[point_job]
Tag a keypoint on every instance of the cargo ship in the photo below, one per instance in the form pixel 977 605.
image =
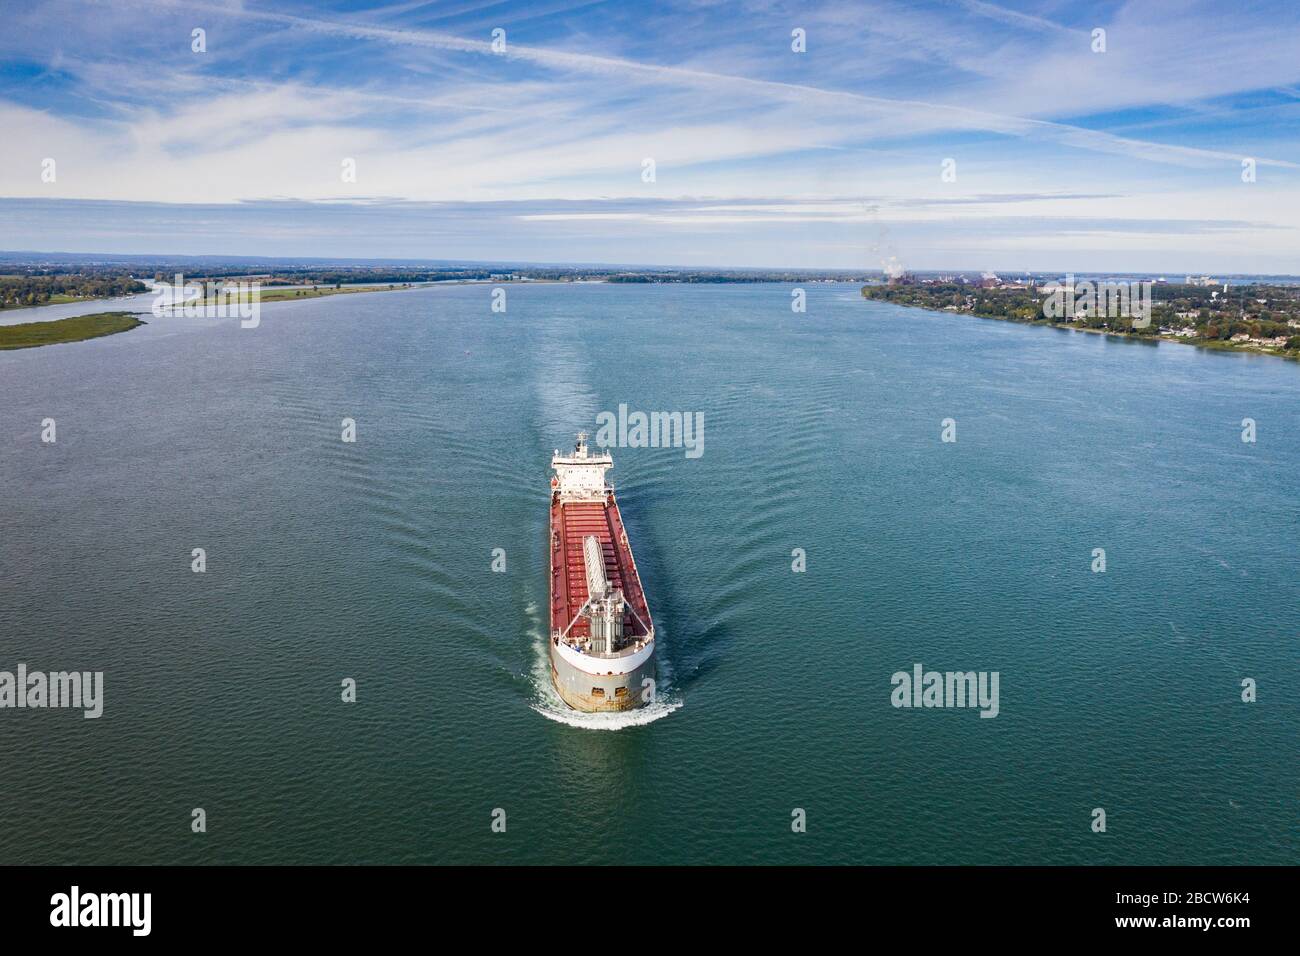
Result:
pixel 602 638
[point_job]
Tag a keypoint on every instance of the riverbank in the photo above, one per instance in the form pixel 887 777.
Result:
pixel 1018 311
pixel 1211 345
pixel 61 299
pixel 24 291
pixel 278 293
pixel 79 328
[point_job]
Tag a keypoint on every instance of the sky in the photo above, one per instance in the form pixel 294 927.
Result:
pixel 1147 136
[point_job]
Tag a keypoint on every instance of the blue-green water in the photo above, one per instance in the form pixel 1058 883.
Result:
pixel 372 560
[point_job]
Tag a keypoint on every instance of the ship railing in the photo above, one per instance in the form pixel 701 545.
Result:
pixel 644 626
pixel 629 648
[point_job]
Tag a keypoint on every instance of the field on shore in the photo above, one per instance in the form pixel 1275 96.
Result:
pixel 277 293
pixel 30 335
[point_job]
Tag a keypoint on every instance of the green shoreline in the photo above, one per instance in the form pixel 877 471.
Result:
pixel 61 298
pixel 78 328
pixel 82 328
pixel 296 293
pixel 1212 345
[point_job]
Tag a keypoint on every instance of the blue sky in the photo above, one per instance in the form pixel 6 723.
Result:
pixel 1126 160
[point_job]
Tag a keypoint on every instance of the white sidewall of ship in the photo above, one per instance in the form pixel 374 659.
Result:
pixel 603 666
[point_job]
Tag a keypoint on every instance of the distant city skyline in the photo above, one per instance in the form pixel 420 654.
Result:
pixel 963 136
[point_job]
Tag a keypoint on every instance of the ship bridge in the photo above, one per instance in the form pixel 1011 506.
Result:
pixel 581 475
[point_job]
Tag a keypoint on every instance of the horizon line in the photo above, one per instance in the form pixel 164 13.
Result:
pixel 16 257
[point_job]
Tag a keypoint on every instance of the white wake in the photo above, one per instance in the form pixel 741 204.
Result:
pixel 547 701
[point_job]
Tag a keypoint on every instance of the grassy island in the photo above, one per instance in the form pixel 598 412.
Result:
pixel 274 292
pixel 30 335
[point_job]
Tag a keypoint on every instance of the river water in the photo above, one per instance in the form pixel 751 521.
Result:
pixel 371 561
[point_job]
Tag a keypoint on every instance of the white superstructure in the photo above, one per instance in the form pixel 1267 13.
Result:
pixel 581 476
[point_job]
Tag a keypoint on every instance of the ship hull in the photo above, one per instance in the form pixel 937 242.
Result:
pixel 596 693
pixel 591 683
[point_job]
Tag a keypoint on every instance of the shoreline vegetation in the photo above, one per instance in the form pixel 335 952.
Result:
pixel 282 293
pixel 25 291
pixel 1256 319
pixel 34 279
pixel 1260 315
pixel 79 328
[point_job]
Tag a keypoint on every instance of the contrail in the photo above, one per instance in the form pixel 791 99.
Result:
pixel 962 117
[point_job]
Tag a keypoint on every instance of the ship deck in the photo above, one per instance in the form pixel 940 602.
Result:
pixel 571 523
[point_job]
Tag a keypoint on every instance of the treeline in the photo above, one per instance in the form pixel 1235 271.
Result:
pixel 1261 312
pixel 46 283
pixel 19 291
pixel 724 276
pixel 357 276
pixel 1223 328
pixel 335 276
pixel 1018 305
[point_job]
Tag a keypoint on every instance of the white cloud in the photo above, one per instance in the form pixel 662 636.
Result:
pixel 436 117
